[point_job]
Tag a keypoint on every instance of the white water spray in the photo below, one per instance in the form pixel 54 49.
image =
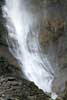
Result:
pixel 22 28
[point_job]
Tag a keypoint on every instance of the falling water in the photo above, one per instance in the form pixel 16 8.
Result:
pixel 23 31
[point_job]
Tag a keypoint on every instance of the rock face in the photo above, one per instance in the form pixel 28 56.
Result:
pixel 13 87
pixel 53 40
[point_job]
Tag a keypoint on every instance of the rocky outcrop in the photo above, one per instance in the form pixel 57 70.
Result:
pixel 14 87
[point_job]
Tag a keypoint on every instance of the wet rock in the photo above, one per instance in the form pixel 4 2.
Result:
pixel 63 94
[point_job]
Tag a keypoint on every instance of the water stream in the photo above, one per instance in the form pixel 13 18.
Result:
pixel 22 22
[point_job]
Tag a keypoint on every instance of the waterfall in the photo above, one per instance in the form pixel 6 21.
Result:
pixel 22 22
